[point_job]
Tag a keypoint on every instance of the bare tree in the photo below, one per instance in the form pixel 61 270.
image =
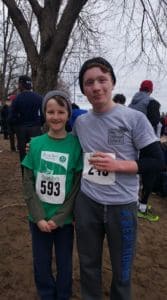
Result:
pixel 8 61
pixel 85 41
pixel 55 22
pixel 140 32
pixel 13 60
pixel 61 25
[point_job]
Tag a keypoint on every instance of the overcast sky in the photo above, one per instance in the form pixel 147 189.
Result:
pixel 129 83
pixel 130 77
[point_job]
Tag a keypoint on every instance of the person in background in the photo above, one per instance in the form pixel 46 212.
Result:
pixel 111 137
pixel 151 108
pixel 164 125
pixel 11 127
pixel 52 170
pixel 4 120
pixel 143 102
pixel 26 114
pixel 119 98
pixel 76 112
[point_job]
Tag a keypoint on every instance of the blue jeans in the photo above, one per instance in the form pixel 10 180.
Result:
pixel 119 224
pixel 42 248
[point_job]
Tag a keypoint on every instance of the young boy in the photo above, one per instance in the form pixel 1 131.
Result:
pixel 51 180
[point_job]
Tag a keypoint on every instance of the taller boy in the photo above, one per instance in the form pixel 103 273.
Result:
pixel 111 135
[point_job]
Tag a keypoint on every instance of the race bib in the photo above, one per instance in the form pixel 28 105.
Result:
pixel 51 188
pixel 93 175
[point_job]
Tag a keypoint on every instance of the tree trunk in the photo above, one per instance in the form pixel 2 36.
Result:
pixel 55 27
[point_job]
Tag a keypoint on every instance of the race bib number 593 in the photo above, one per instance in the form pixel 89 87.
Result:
pixel 51 188
pixel 93 175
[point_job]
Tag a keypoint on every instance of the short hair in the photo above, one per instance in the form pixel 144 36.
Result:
pixel 119 98
pixel 75 106
pixel 26 82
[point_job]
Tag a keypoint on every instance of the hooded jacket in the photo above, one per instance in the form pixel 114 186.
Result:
pixel 149 106
pixel 140 102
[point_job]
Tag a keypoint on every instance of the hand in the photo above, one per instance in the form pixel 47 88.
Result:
pixel 52 225
pixel 43 226
pixel 103 162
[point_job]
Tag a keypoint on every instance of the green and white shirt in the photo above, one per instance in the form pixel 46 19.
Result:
pixel 54 164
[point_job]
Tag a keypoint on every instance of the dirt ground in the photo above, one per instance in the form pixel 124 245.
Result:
pixel 16 275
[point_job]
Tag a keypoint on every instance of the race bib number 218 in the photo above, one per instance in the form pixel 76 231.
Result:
pixel 93 175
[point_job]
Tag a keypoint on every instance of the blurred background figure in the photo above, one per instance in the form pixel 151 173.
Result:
pixel 149 106
pixel 4 120
pixel 142 101
pixel 76 112
pixel 26 114
pixel 119 98
pixel 11 127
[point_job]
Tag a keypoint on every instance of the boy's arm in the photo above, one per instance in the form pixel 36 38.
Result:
pixel 68 204
pixel 33 203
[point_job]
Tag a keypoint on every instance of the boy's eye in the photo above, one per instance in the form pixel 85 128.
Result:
pixel 89 82
pixel 102 80
pixel 58 112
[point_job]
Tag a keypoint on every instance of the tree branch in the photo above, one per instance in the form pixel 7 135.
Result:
pixel 23 29
pixel 66 23
pixel 37 9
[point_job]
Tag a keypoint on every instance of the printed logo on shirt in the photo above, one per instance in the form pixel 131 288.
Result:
pixel 115 137
pixel 62 159
pixel 55 157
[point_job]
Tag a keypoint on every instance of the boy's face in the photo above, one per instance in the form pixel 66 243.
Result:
pixel 98 87
pixel 56 116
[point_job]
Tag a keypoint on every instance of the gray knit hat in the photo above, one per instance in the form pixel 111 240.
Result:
pixel 54 93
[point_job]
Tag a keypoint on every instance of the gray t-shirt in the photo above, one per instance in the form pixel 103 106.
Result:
pixel 122 131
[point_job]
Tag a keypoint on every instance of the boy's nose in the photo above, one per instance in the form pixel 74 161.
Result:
pixel 96 85
pixel 55 115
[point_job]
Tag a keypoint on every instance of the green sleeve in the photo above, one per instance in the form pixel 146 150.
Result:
pixel 33 203
pixel 67 207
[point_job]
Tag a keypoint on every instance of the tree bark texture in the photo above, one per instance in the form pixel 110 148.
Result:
pixel 55 27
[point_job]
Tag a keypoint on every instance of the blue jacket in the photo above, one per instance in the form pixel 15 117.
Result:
pixel 76 112
pixel 26 110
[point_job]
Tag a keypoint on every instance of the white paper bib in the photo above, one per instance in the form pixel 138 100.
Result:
pixel 93 175
pixel 51 188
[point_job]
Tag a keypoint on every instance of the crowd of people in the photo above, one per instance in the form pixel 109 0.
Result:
pixel 89 171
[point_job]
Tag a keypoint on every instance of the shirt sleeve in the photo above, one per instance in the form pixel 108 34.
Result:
pixel 142 131
pixel 35 208
pixel 78 157
pixel 13 117
pixel 151 159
